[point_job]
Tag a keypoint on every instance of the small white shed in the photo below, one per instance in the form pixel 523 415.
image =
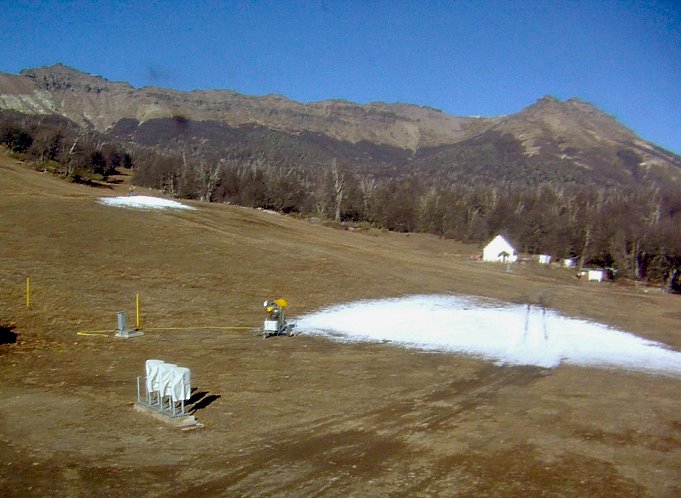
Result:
pixel 595 275
pixel 500 251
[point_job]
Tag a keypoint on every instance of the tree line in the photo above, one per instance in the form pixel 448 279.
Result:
pixel 60 146
pixel 635 230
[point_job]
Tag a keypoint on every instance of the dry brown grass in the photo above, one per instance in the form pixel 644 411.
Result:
pixel 301 416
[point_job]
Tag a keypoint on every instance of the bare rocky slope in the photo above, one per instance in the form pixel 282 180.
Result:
pixel 100 103
pixel 551 140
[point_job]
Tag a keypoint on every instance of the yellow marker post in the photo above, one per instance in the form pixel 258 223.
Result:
pixel 137 303
pixel 28 291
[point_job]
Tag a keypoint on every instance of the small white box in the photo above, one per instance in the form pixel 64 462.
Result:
pixel 271 326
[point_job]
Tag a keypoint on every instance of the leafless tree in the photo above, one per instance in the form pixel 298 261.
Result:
pixel 367 186
pixel 208 176
pixel 338 188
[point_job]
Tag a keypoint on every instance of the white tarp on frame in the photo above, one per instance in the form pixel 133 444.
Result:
pixel 152 367
pixel 180 384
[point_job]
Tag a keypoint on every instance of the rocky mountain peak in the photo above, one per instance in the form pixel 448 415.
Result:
pixel 60 77
pixel 552 105
pixel 573 120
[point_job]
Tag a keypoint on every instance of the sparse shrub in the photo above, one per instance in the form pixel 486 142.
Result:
pixel 50 166
pixel 363 226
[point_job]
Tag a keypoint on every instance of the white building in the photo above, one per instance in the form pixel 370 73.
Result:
pixel 500 251
pixel 594 274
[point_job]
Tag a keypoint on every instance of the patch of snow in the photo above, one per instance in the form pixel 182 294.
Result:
pixel 501 332
pixel 143 202
pixel 269 211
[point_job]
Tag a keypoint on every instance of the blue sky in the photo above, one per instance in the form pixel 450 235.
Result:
pixel 464 57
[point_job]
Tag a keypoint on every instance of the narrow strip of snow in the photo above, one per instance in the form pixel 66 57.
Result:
pixel 501 332
pixel 143 202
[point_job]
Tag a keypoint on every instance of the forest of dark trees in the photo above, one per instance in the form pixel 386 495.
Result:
pixel 633 229
pixel 59 146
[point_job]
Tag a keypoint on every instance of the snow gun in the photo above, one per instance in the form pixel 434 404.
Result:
pixel 275 324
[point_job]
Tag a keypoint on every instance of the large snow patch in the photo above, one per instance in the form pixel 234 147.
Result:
pixel 502 332
pixel 143 202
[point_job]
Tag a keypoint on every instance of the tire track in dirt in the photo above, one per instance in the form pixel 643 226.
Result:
pixel 445 406
pixel 349 449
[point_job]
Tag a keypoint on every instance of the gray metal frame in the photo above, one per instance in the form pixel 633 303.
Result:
pixel 156 401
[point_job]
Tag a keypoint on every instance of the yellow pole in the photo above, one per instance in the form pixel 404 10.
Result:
pixel 137 302
pixel 28 291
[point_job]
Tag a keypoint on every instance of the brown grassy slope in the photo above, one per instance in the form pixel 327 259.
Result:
pixel 299 416
pixel 217 264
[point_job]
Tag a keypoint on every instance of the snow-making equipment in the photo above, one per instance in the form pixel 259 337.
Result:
pixel 275 324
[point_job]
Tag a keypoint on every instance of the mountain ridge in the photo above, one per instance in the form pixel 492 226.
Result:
pixel 104 103
pixel 554 140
